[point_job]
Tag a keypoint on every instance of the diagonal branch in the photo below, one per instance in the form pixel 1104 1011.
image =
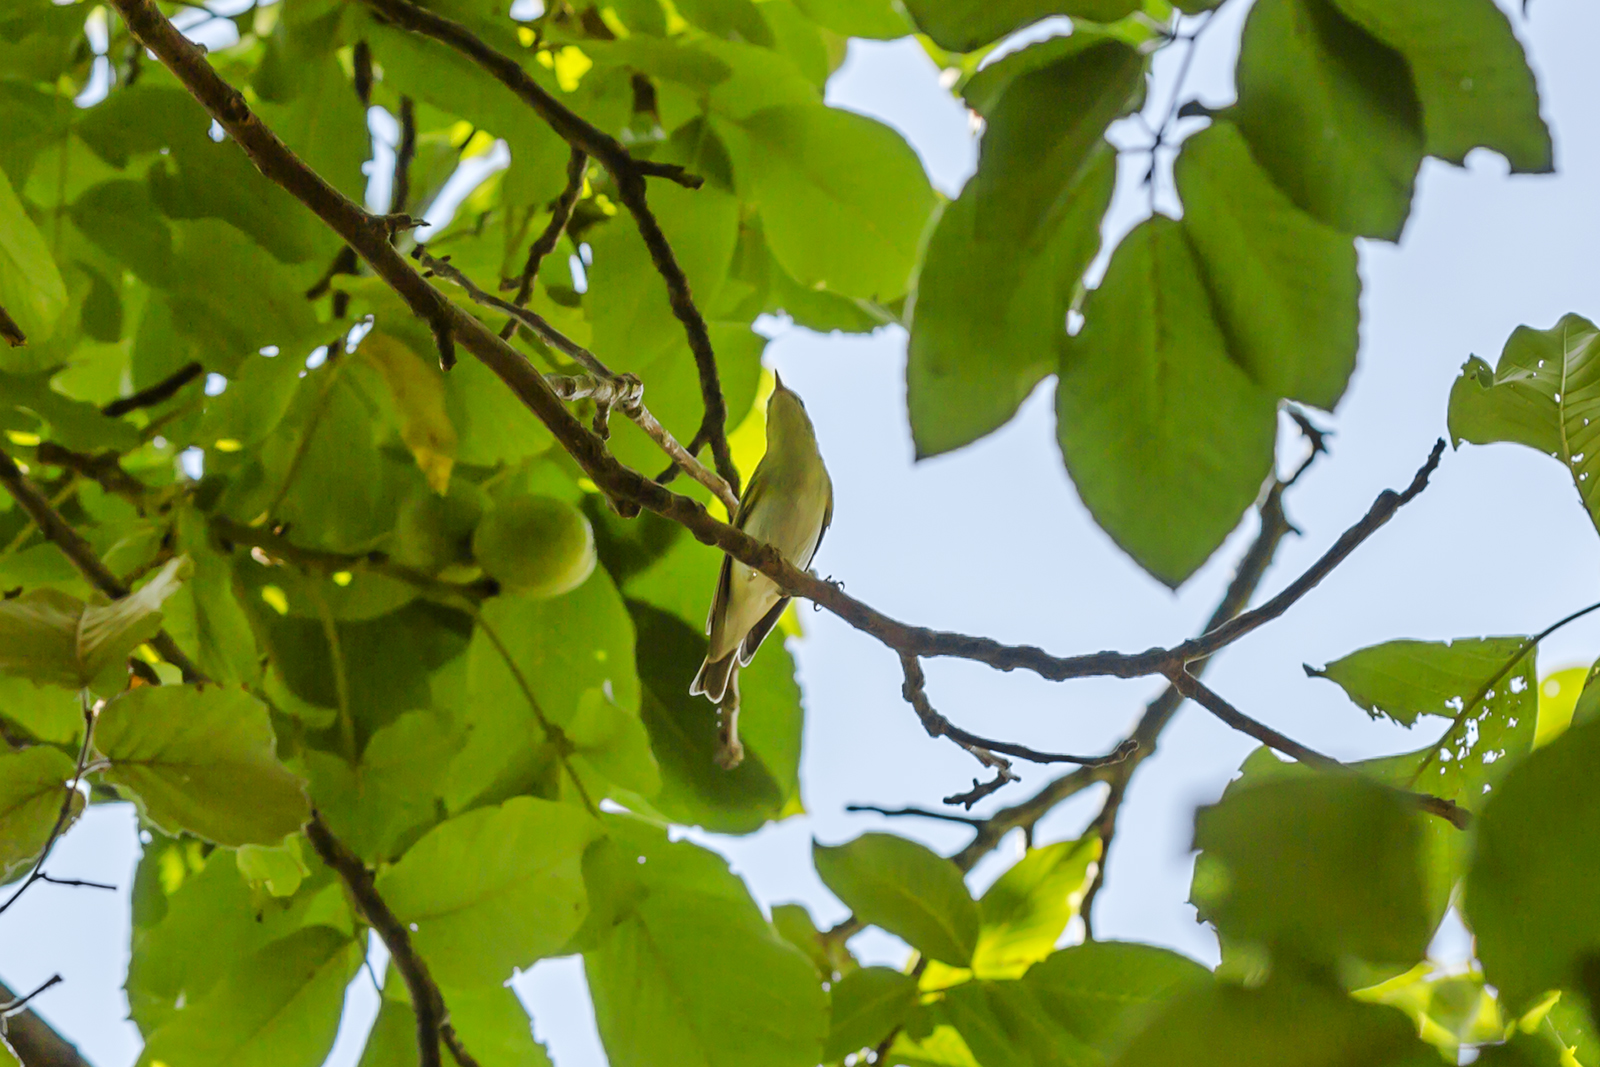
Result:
pixel 560 215
pixel 629 175
pixel 35 1042
pixel 368 234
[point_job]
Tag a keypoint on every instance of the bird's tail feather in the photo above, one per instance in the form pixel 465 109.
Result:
pixel 712 679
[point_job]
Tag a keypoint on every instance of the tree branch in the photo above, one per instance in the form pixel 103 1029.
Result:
pixel 560 215
pixel 35 1041
pixel 368 235
pixel 629 175
pixel 426 1000
pixel 10 330
pixel 163 390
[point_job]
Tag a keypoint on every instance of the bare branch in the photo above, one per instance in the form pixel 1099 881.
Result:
pixel 160 392
pixel 920 813
pixel 16 1004
pixel 560 215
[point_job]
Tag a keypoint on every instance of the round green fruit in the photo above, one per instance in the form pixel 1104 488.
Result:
pixel 433 532
pixel 536 545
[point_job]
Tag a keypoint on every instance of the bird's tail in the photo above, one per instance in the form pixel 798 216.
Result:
pixel 712 679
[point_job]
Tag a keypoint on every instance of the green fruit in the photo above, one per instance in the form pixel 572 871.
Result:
pixel 536 545
pixel 434 532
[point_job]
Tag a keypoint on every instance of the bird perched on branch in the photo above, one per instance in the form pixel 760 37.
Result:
pixel 788 504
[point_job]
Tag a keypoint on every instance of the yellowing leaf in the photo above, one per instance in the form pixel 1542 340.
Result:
pixel 1558 696
pixel 418 395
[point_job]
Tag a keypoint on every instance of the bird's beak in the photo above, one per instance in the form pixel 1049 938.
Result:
pixel 778 378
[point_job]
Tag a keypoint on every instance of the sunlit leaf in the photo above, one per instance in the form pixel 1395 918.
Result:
pixel 913 893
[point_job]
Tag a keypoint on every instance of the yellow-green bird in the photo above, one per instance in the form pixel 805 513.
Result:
pixel 788 504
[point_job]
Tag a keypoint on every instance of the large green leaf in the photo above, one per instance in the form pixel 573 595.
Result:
pixel 904 888
pixel 989 314
pixel 57 639
pixel 877 19
pixel 1284 285
pixel 661 997
pixel 843 198
pixel 1331 114
pixel 1289 1022
pixel 1536 871
pixel 198 922
pixel 1025 911
pixel 1044 131
pixel 281 1008
pixel 31 289
pixel 201 759
pixel 963 25
pixel 1402 680
pixel 1319 867
pixel 33 784
pixel 1470 73
pixel 1543 394
pixel 868 1003
pixel 683 729
pixel 1166 438
pixel 494 889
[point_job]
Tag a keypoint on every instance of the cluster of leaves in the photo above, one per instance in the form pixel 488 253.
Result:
pixel 320 551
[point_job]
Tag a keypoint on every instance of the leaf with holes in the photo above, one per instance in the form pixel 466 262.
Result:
pixel 1544 393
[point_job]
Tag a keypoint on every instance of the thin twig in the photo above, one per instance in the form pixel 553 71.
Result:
pixel 404 153
pixel 560 215
pixel 921 813
pixel 79 882
pixel 16 1004
pixel 158 393
pixel 64 816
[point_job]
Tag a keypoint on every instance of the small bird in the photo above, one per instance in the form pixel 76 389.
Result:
pixel 788 504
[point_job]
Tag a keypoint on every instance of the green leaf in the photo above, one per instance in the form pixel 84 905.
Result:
pixel 53 638
pixel 1331 114
pixel 325 124
pixel 901 886
pixel 205 616
pixel 1287 1021
pixel 683 729
pixel 1321 868
pixel 963 25
pixel 281 1008
pixel 490 1022
pixel 31 289
pixel 1104 992
pixel 385 802
pixel 614 744
pixel 33 783
pixel 1403 680
pixel 1166 438
pixel 1025 911
pixel 47 713
pixel 867 1005
pixel 202 760
pixel 562 647
pixel 660 997
pixel 279 869
pixel 989 316
pixel 1284 285
pixel 1536 870
pixel 494 889
pixel 198 922
pixel 1043 135
pixel 880 20
pixel 1471 75
pixel 1543 394
pixel 843 198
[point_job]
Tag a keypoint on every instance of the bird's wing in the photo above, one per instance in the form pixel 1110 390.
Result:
pixel 719 603
pixel 758 632
pixel 827 521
